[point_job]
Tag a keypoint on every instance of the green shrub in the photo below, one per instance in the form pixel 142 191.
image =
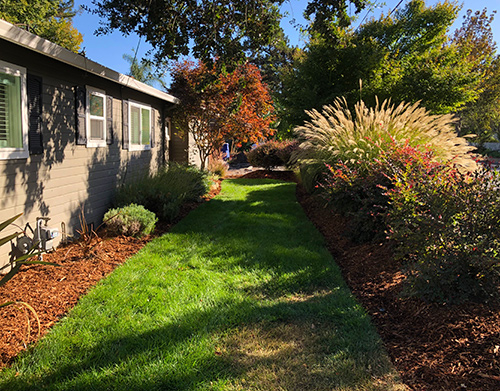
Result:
pixel 336 134
pixel 272 154
pixel 131 220
pixel 164 192
pixel 445 224
pixel 358 189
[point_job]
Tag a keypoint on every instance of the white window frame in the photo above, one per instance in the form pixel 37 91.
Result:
pixel 139 147
pixel 168 128
pixel 101 142
pixel 18 153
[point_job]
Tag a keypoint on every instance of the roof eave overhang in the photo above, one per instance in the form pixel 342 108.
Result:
pixel 40 45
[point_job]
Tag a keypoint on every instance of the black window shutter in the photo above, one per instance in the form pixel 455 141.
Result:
pixel 153 128
pixel 125 140
pixel 34 86
pixel 81 118
pixel 109 120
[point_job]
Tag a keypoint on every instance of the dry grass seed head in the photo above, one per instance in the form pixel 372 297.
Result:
pixel 333 133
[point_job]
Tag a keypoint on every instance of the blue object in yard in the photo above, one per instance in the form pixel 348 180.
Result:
pixel 225 151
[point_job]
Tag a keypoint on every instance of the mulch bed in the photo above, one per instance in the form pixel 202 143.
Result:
pixel 434 347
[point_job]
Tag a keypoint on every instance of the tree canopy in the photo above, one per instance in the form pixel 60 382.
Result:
pixel 218 106
pixel 405 56
pixel 49 19
pixel 475 39
pixel 226 30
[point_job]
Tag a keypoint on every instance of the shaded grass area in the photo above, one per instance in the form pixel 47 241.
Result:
pixel 241 295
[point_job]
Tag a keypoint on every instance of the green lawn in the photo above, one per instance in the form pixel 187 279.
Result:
pixel 241 295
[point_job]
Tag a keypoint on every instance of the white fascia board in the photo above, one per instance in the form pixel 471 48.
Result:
pixel 33 42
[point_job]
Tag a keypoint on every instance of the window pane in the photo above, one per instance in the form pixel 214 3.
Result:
pixel 10 111
pixel 97 129
pixel 135 125
pixel 96 105
pixel 146 125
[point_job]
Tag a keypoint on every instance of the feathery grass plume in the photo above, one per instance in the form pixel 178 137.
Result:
pixel 334 134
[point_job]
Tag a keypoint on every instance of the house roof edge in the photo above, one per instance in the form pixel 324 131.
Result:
pixel 33 42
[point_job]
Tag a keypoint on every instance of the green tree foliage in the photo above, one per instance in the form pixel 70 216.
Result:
pixel 226 30
pixel 475 39
pixel 49 19
pixel 142 70
pixel 223 29
pixel 326 15
pixel 406 56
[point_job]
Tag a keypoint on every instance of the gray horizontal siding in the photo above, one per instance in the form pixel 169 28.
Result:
pixel 67 177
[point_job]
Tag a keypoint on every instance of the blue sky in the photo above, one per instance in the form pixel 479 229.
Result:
pixel 109 49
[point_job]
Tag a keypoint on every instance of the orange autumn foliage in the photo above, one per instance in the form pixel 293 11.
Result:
pixel 219 106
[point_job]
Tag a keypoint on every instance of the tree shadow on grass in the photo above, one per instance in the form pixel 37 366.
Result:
pixel 149 360
pixel 207 347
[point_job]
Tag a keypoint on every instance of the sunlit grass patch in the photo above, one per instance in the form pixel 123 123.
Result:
pixel 241 294
pixel 300 356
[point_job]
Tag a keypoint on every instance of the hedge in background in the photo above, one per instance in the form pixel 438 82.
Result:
pixel 272 154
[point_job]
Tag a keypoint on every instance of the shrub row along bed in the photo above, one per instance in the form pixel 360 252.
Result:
pixel 403 174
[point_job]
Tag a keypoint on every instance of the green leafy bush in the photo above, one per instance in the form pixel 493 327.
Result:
pixel 164 192
pixel 358 138
pixel 272 154
pixel 358 189
pixel 131 220
pixel 445 224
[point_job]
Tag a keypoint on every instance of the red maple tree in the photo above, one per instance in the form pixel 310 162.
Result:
pixel 217 106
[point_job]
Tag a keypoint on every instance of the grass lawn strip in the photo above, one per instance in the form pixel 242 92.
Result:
pixel 240 295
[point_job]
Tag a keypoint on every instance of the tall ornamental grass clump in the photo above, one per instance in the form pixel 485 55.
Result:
pixel 164 192
pixel 357 138
pixel 445 226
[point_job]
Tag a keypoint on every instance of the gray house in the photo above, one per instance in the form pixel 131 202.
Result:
pixel 71 130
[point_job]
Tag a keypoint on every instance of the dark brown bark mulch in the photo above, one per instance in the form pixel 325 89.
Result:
pixel 434 347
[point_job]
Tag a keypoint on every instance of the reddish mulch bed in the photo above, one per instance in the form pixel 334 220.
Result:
pixel 433 347
pixel 52 291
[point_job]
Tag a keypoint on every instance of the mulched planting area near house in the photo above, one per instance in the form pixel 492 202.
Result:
pixel 434 347
pixel 52 291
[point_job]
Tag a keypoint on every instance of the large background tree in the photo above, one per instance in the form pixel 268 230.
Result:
pixel 227 30
pixel 49 19
pixel 475 38
pixel 406 56
pixel 218 105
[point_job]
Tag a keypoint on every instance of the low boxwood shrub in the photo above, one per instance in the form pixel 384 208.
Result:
pixel 131 220
pixel 272 154
pixel 164 192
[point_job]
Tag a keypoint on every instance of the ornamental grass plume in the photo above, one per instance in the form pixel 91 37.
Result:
pixel 335 134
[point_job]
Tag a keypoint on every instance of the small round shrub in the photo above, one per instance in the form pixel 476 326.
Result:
pixel 272 154
pixel 218 167
pixel 131 220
